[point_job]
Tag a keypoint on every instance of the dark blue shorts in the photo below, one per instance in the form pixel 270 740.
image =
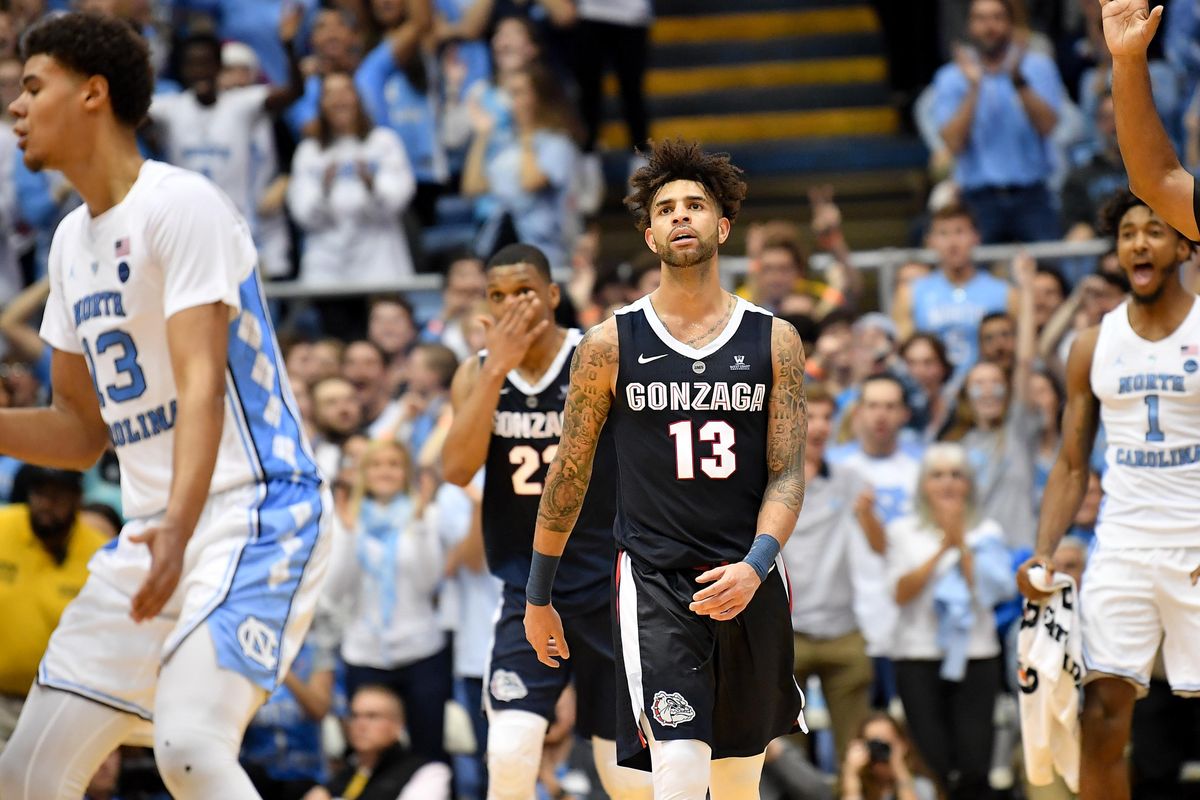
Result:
pixel 516 680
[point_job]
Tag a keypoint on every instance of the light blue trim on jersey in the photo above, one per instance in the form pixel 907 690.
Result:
pixel 44 679
pixel 246 362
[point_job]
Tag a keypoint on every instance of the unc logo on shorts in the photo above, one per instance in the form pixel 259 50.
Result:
pixel 671 709
pixel 259 643
pixel 507 686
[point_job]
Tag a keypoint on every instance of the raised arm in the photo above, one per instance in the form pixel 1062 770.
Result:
pixel 589 398
pixel 1155 174
pixel 14 321
pixel 281 97
pixel 1024 268
pixel 1068 479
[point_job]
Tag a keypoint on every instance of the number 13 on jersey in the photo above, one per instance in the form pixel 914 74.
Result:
pixel 723 461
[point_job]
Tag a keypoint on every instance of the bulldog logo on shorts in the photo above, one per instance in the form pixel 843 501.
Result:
pixel 507 686
pixel 672 710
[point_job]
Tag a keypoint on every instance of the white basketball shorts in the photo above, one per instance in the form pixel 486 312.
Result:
pixel 1133 600
pixel 252 570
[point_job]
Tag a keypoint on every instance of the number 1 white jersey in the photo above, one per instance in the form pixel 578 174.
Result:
pixel 1149 396
pixel 174 242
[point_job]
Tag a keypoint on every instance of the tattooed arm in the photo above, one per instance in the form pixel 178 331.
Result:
pixel 1068 479
pixel 731 587
pixel 787 430
pixel 593 376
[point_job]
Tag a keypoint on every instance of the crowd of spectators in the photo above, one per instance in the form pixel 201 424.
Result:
pixel 367 140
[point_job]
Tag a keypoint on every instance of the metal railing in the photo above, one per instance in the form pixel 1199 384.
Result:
pixel 424 290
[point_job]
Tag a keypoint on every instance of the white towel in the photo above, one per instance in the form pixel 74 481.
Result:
pixel 1050 673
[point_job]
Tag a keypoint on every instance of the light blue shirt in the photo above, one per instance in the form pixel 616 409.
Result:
pixel 953 312
pixel 394 102
pixel 1003 148
pixel 542 218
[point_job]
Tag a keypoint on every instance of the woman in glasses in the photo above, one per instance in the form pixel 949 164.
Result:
pixel 948 567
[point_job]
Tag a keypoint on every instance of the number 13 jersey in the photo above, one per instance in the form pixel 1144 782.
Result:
pixel 174 242
pixel 1149 395
pixel 690 426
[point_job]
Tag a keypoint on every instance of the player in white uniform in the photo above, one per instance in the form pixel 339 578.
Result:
pixel 1151 517
pixel 162 348
pixel 1138 372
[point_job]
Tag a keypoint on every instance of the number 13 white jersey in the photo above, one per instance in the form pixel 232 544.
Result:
pixel 1149 396
pixel 174 242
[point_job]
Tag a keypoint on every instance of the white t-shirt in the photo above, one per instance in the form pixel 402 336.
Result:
pixel 893 479
pixel 215 140
pixel 174 242
pixel 354 233
pixel 909 545
pixel 818 556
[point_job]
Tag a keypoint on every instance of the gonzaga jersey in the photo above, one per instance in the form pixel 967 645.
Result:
pixel 525 432
pixel 174 242
pixel 1149 395
pixel 690 426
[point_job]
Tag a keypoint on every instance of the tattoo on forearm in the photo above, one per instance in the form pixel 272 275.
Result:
pixel 788 427
pixel 587 406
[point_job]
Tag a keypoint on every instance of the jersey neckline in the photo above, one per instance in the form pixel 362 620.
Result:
pixel 1124 317
pixel 569 341
pixel 644 305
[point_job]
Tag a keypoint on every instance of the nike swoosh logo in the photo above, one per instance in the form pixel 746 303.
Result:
pixel 643 360
pixel 505 390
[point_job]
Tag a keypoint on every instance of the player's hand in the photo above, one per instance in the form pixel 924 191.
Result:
pixel 1195 576
pixel 508 338
pixel 1129 25
pixel 1027 588
pixel 544 631
pixel 167 543
pixel 734 588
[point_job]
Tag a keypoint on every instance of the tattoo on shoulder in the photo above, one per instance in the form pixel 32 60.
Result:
pixel 588 402
pixel 788 425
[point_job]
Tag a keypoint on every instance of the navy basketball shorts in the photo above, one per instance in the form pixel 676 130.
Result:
pixel 516 680
pixel 685 676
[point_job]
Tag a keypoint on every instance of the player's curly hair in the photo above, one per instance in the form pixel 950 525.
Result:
pixel 1110 214
pixel 90 44
pixel 681 160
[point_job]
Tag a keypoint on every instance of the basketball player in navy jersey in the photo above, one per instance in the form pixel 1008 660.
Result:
pixel 703 395
pixel 508 407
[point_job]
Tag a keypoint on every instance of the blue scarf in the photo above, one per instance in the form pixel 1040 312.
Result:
pixel 380 527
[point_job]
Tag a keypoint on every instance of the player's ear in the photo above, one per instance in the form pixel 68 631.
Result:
pixel 724 226
pixel 95 92
pixel 649 235
pixel 555 295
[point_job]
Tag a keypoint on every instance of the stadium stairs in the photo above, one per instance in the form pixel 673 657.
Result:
pixel 796 91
